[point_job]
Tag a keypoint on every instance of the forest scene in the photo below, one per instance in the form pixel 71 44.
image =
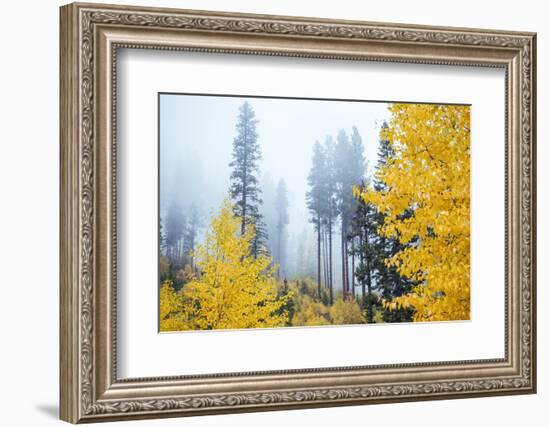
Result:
pixel 279 212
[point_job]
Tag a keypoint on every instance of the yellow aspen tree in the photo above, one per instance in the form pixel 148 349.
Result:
pixel 427 207
pixel 172 314
pixel 234 289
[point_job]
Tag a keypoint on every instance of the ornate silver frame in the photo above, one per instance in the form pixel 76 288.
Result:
pixel 90 36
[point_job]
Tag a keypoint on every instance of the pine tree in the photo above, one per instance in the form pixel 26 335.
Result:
pixel 342 176
pixel 268 210
pixel 349 171
pixel 281 206
pixel 330 211
pixel 244 190
pixel 385 153
pixel 358 169
pixel 389 282
pixel 374 250
pixel 315 199
pixel 364 226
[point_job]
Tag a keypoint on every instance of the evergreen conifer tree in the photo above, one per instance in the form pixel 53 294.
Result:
pixel 244 189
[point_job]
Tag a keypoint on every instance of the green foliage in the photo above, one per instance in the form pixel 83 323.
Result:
pixel 373 249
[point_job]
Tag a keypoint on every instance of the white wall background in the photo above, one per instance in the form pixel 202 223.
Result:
pixel 29 170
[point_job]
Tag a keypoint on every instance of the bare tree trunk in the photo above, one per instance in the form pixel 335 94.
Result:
pixel 325 256
pixel 362 260
pixel 343 252
pixel 319 256
pixel 353 267
pixel 180 255
pixel 183 254
pixel 370 311
pixel 331 291
pixel 346 258
pixel 279 252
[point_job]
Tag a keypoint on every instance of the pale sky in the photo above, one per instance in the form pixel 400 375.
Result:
pixel 196 136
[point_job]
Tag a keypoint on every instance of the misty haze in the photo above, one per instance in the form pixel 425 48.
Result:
pixel 277 212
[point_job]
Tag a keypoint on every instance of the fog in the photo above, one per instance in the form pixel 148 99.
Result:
pixel 196 135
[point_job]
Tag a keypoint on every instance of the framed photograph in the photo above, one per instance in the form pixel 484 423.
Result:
pixel 267 212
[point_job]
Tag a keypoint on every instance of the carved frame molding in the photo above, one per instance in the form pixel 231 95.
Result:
pixel 90 37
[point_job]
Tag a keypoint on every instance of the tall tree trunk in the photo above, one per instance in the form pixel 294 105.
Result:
pixel 325 256
pixel 362 261
pixel 370 313
pixel 346 258
pixel 279 252
pixel 343 252
pixel 331 291
pixel 319 256
pixel 353 267
pixel 324 247
pixel 243 220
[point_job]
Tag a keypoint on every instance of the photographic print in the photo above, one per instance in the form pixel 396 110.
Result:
pixel 287 212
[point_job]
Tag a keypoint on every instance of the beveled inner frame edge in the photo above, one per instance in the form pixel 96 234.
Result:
pixel 116 38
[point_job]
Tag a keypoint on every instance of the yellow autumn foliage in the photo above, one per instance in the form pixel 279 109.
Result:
pixel 310 312
pixel 429 176
pixel 346 312
pixel 172 312
pixel 233 290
